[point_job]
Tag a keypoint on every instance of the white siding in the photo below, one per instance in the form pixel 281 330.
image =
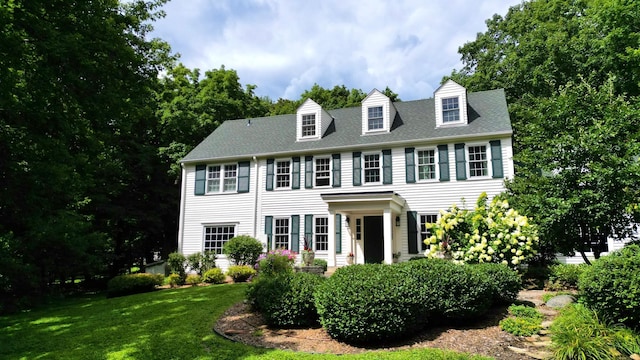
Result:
pixel 448 90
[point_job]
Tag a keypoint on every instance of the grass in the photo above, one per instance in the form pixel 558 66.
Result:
pixel 167 324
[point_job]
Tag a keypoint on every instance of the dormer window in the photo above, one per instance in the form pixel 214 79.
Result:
pixel 450 110
pixel 308 125
pixel 378 113
pixel 451 104
pixel 375 119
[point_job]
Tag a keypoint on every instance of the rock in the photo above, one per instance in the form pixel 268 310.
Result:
pixel 635 357
pixel 234 332
pixel 560 301
pixel 534 354
pixel 546 324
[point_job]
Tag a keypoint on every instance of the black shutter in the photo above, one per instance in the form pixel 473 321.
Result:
pixel 496 158
pixel 269 185
pixel 338 226
pixel 461 163
pixel 308 230
pixel 410 165
pixel 337 181
pixel 357 169
pixel 243 176
pixel 443 162
pixel 295 233
pixel 201 179
pixel 268 226
pixel 308 172
pixel 387 171
pixel 412 231
pixel 295 181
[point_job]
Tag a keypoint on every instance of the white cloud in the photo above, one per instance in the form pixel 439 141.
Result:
pixel 285 46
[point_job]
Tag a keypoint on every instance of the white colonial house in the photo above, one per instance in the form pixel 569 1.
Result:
pixel 361 180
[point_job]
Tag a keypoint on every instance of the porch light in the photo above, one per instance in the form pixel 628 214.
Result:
pixel 397 220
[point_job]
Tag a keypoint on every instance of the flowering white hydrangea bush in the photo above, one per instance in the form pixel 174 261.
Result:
pixel 488 234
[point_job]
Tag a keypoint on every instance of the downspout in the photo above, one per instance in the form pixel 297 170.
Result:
pixel 183 195
pixel 255 202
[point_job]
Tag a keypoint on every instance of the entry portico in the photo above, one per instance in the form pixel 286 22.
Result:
pixel 371 218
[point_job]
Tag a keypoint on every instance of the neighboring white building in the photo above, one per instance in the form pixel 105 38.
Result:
pixel 361 180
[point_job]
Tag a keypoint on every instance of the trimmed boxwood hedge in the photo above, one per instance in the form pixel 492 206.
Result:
pixel 372 302
pixel 133 283
pixel 611 286
pixel 505 282
pixel 286 299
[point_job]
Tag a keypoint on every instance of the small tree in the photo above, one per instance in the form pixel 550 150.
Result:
pixel 176 263
pixel 201 262
pixel 243 250
pixel 488 234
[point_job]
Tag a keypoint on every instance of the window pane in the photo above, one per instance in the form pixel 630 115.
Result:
pixel 216 236
pixel 309 125
pixel 478 161
pixel 322 233
pixel 372 168
pixel 282 174
pixel 424 233
pixel 450 110
pixel 375 118
pixel 323 172
pixel 230 172
pixel 213 179
pixel 281 240
pixel 426 164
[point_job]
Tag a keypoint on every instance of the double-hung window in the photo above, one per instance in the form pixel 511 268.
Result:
pixel 323 171
pixel 281 238
pixel 426 164
pixel 308 125
pixel 424 232
pixel 478 165
pixel 322 233
pixel 283 174
pixel 225 175
pixel 371 168
pixel 450 110
pixel 215 236
pixel 375 119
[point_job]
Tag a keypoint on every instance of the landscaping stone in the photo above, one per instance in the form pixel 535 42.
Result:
pixel 560 301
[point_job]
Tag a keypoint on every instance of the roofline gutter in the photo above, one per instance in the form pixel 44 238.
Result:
pixel 350 147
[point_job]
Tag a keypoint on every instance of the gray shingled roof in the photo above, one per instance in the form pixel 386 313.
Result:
pixel 415 122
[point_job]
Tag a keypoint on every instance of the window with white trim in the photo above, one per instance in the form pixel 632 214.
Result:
pixel 283 174
pixel 281 234
pixel 322 233
pixel 215 236
pixel 222 174
pixel 426 164
pixel 375 119
pixel 450 110
pixel 371 168
pixel 358 229
pixel 308 125
pixel 478 165
pixel 323 171
pixel 424 232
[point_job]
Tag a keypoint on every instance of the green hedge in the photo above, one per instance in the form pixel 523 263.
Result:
pixel 240 273
pixel 286 300
pixel 611 286
pixel 505 282
pixel 133 283
pixel 214 276
pixel 565 276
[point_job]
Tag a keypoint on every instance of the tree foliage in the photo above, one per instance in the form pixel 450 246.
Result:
pixel 571 72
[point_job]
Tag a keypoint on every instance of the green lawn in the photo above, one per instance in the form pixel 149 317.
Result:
pixel 167 324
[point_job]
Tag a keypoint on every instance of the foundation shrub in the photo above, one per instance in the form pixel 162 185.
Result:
pixel 320 262
pixel 505 282
pixel 286 299
pixel 565 276
pixel 177 279
pixel 611 286
pixel 243 249
pixel 214 276
pixel 366 303
pixel 240 273
pixel 193 279
pixel 133 283
pixel 201 262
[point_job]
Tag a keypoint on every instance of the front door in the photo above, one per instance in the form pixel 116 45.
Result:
pixel 373 239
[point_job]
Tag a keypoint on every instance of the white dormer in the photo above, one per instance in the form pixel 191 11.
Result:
pixel 378 113
pixel 311 121
pixel 451 104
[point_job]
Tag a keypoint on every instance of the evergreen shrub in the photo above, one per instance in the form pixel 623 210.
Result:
pixel 505 282
pixel 193 279
pixel 320 262
pixel 565 276
pixel 214 276
pixel 286 299
pixel 240 273
pixel 133 283
pixel 611 286
pixel 243 250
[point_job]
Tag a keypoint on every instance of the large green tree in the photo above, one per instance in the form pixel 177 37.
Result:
pixel 547 55
pixel 76 134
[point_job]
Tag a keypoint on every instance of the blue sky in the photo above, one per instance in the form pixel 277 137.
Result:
pixel 285 46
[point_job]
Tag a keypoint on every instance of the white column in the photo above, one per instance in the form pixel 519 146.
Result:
pixel 331 249
pixel 387 223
